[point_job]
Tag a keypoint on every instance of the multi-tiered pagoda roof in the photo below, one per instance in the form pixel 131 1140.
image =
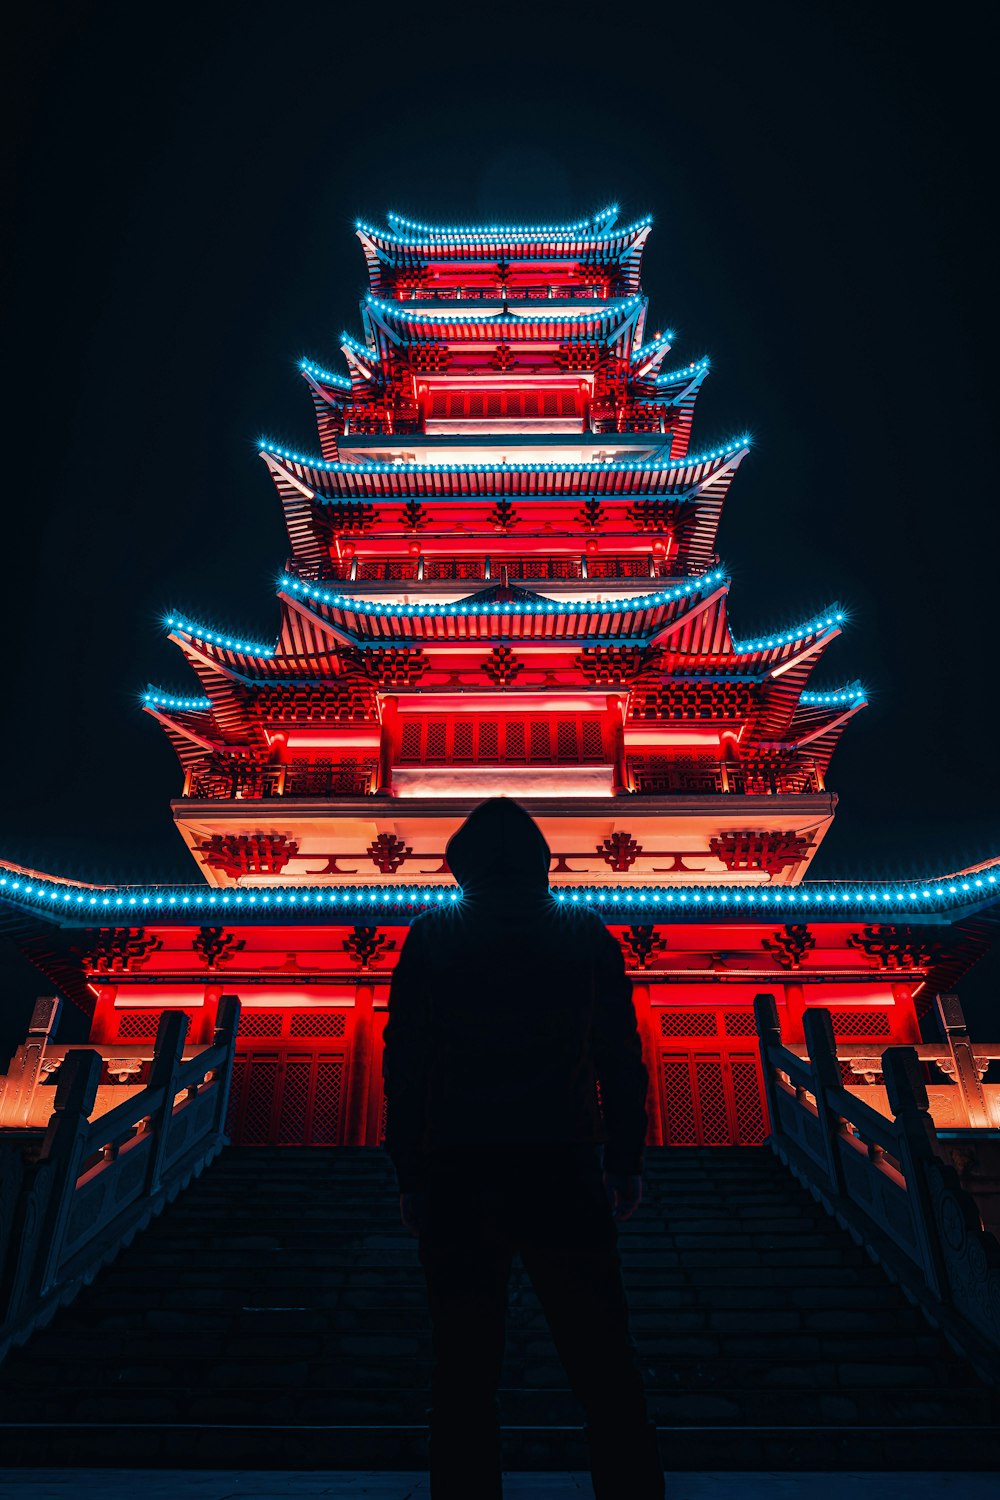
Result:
pixel 504 576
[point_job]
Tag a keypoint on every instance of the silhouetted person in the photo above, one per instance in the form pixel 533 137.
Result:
pixel 505 1011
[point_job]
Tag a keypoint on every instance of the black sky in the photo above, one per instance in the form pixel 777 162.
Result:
pixel 181 195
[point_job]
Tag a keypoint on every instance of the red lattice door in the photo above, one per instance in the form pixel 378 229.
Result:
pixel 288 1097
pixel 712 1098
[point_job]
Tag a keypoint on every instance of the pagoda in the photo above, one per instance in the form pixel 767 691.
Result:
pixel 503 579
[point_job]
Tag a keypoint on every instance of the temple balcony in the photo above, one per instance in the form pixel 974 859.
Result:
pixel 306 827
pixel 582 568
pixel 422 774
pixel 530 440
pixel 561 294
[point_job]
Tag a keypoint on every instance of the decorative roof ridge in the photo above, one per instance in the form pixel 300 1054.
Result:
pixel 829 619
pixel 472 604
pixel 326 377
pixel 207 637
pixel 848 693
pixel 976 886
pixel 154 699
pixel 696 367
pixel 725 452
pixel 455 237
pixel 402 313
pixel 602 216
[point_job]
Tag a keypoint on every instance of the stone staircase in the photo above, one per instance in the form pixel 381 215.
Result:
pixel 274 1317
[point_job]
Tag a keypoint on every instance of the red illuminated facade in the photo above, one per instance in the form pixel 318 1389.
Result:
pixel 503 579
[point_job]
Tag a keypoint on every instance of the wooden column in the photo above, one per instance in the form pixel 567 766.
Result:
pixel 651 1057
pixel 359 1067
pixel 104 1023
pixel 380 1016
pixel 203 1022
pixel 615 709
pixel 387 744
pixel 903 1016
pixel 795 1009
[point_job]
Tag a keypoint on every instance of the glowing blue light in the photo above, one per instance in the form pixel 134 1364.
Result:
pixel 213 638
pixel 723 452
pixel 623 605
pixel 852 693
pixel 154 699
pixel 655 349
pixel 832 619
pixel 949 891
pixel 431 236
pixel 699 367
pixel 326 377
pixel 402 314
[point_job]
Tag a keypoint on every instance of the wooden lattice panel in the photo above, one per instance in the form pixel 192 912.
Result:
pixel 860 1024
pixel 326 1123
pixel 609 664
pixel 688 1023
pixel 692 700
pixel 748 1098
pixel 323 1023
pixel 347 518
pixel 269 1023
pixel 138 1025
pixel 461 740
pixel 349 700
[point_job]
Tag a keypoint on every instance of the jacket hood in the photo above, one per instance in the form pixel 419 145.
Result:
pixel 499 846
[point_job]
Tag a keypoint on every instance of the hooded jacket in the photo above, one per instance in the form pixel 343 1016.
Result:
pixel 508 1011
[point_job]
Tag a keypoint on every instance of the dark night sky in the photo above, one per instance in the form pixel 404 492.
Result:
pixel 182 191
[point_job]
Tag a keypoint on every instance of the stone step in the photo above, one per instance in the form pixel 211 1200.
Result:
pixel 340 1404
pixel 281 1285
pixel 693 1448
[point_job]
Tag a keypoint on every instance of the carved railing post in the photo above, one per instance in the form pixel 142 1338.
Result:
pixel 821 1046
pixel 163 1070
pixel 966 1072
pixel 904 1082
pixel 765 1012
pixel 227 1023
pixel 62 1154
pixel 18 1087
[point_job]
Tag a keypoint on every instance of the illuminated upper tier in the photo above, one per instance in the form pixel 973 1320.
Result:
pixel 504 579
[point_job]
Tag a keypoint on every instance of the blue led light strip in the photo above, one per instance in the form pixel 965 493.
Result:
pixel 607 310
pixel 833 616
pixel 829 899
pixel 585 466
pixel 655 348
pixel 327 377
pixel 605 213
pixel 154 699
pixel 431 238
pixel 619 605
pixel 361 350
pixel 852 693
pixel 216 638
pixel 693 369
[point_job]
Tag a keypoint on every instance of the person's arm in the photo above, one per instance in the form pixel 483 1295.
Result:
pixel 404 1063
pixel 618 1062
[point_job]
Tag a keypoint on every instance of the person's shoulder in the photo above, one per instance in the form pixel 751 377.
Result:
pixel 435 918
pixel 583 921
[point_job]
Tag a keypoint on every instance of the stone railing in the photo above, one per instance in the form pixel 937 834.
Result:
pixel 76 1192
pixel 886 1178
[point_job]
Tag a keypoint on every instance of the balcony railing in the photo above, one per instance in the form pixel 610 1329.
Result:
pixel 536 292
pixel 490 569
pixel 690 776
pixel 82 1173
pixel 320 778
